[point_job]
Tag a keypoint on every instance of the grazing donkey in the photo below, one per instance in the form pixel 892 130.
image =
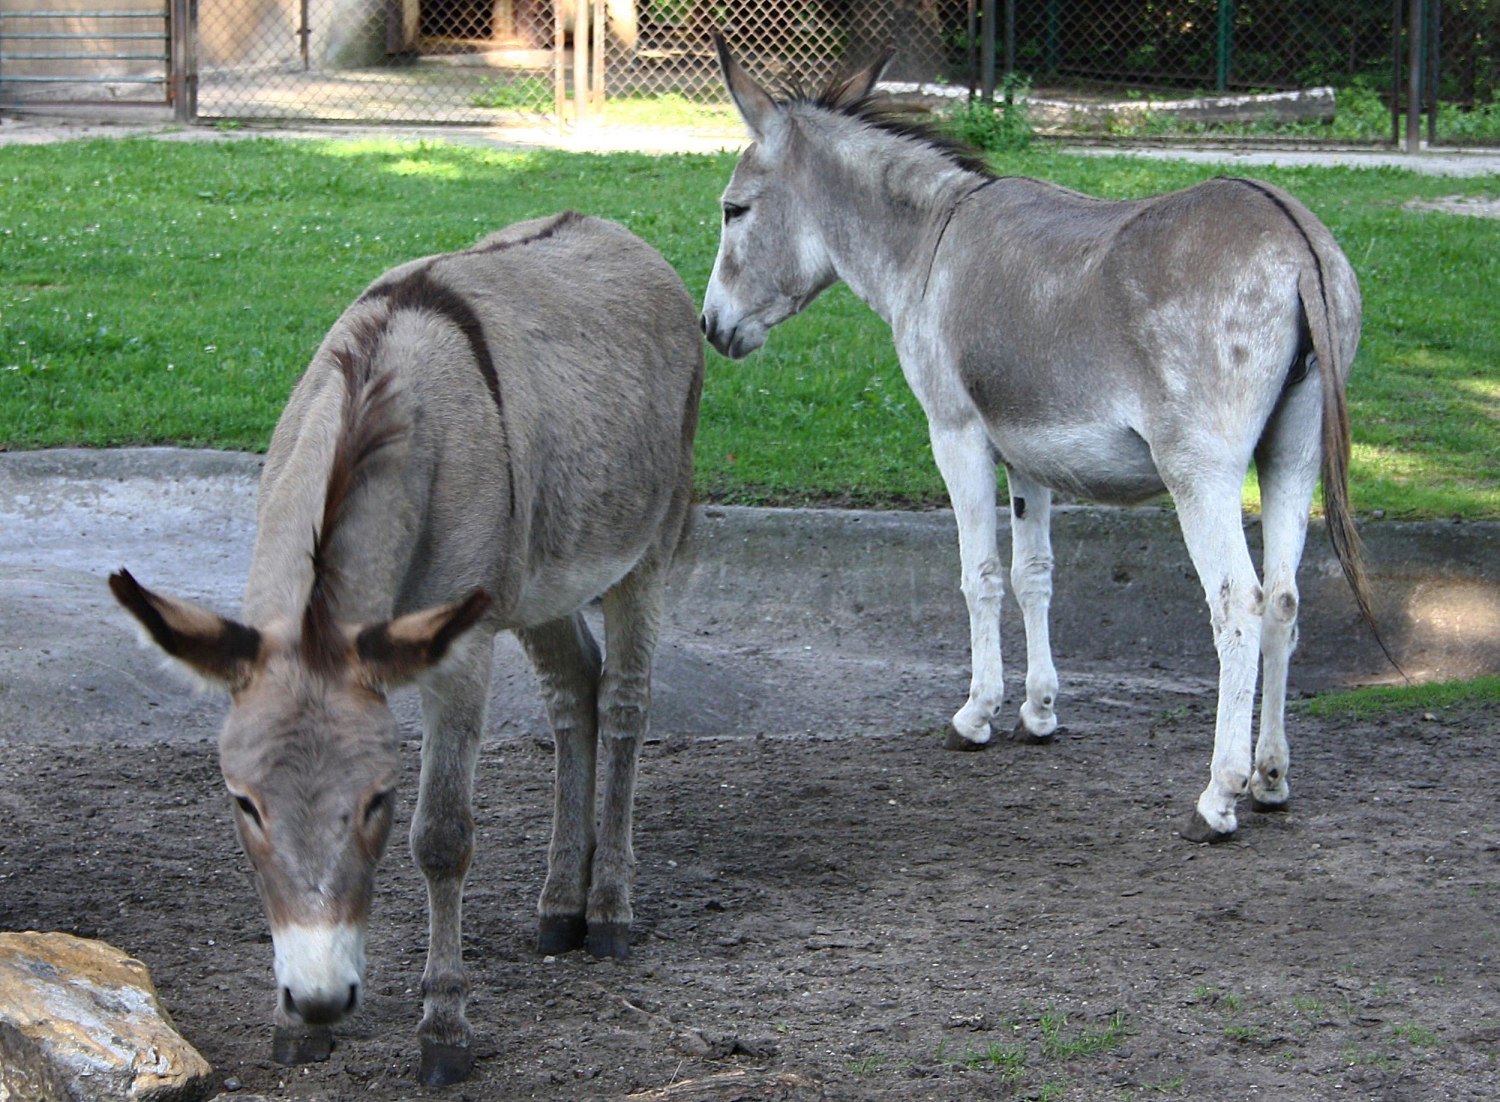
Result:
pixel 1110 350
pixel 486 439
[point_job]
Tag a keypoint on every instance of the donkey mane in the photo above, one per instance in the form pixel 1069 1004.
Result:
pixel 368 426
pixel 875 111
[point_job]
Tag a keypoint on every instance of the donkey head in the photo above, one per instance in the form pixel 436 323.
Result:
pixel 310 755
pixel 772 259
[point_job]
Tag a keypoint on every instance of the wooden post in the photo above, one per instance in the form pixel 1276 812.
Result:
pixel 559 56
pixel 183 66
pixel 596 88
pixel 581 12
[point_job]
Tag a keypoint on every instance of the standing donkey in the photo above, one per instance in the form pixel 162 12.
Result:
pixel 486 439
pixel 1111 350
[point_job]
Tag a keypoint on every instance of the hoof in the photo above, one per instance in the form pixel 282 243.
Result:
pixel 444 1064
pixel 1197 830
pixel 956 741
pixel 1269 808
pixel 1025 737
pixel 300 1046
pixel 560 934
pixel 609 939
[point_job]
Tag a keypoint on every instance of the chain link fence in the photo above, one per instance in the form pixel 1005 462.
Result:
pixel 486 60
pixel 1104 67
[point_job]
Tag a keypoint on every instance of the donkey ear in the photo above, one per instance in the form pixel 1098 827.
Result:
pixel 395 651
pixel 860 85
pixel 220 651
pixel 755 106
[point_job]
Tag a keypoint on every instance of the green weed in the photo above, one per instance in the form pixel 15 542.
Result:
pixel 1414 1034
pixel 1087 1042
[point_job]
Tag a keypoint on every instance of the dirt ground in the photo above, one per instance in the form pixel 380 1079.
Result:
pixel 859 914
pixel 829 905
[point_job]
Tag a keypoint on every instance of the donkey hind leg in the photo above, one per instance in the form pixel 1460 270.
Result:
pixel 1031 582
pixel 1208 509
pixel 567 663
pixel 966 462
pixel 1287 464
pixel 442 842
pixel 632 620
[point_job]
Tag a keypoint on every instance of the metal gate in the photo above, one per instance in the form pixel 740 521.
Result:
pixel 112 52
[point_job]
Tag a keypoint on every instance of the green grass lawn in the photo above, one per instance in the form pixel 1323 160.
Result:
pixel 170 293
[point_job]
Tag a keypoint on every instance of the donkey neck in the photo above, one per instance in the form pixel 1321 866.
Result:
pixel 886 200
pixel 370 549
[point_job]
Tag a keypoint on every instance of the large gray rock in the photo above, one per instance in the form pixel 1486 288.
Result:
pixel 80 1020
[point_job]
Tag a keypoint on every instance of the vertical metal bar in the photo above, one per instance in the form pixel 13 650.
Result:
pixel 1396 9
pixel 596 91
pixel 971 48
pixel 182 80
pixel 1414 65
pixel 987 52
pixel 1434 38
pixel 1010 42
pixel 1224 45
pixel 1054 35
pixel 304 30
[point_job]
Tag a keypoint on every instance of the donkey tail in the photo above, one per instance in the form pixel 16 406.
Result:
pixel 1312 287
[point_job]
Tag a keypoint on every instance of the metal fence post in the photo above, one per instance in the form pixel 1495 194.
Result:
pixel 183 81
pixel 1416 57
pixel 1434 33
pixel 1225 44
pixel 987 52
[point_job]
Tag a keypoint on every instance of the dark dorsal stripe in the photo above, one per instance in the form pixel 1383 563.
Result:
pixel 419 291
pixel 563 220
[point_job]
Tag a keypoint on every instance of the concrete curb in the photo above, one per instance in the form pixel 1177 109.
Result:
pixel 783 622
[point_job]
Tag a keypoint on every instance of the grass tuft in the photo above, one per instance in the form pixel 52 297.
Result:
pixel 1378 700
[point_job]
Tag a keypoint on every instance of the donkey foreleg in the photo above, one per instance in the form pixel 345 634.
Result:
pixel 1031 582
pixel 567 663
pixel 966 463
pixel 1213 528
pixel 442 843
pixel 632 620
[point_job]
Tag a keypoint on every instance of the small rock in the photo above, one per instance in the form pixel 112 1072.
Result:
pixel 80 1019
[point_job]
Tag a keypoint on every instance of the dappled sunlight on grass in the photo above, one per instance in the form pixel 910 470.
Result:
pixel 156 292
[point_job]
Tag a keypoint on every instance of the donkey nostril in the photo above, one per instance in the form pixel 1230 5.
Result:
pixel 321 1011
pixel 703 322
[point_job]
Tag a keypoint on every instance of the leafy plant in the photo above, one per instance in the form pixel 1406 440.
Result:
pixel 1002 126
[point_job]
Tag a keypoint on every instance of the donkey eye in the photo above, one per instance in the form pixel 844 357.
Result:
pixel 733 211
pixel 248 809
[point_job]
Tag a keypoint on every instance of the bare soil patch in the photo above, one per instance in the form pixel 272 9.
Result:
pixel 859 914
